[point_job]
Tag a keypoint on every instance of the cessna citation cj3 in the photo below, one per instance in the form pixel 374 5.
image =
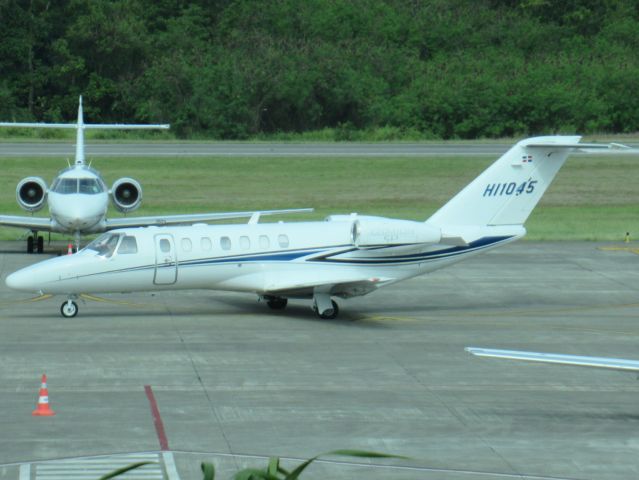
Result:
pixel 344 256
pixel 78 197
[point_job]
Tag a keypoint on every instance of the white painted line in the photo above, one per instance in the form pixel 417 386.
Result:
pixel 25 471
pixel 94 467
pixel 169 464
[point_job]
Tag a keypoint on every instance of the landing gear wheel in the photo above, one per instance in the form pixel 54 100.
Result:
pixel 69 309
pixel 40 244
pixel 330 314
pixel 30 244
pixel 277 303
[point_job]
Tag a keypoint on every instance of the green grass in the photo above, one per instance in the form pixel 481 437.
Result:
pixel 592 198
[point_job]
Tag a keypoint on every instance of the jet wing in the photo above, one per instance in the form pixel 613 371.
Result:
pixel 31 223
pixel 556 358
pixel 188 219
pixel 295 286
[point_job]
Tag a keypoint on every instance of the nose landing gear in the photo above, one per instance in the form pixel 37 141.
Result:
pixel 69 309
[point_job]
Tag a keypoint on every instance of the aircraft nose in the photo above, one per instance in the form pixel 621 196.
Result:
pixel 20 280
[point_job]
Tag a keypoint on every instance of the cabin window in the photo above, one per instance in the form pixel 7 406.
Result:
pixel 245 243
pixel 225 243
pixel 264 242
pixel 165 245
pixel 205 244
pixel 128 245
pixel 283 240
pixel 187 245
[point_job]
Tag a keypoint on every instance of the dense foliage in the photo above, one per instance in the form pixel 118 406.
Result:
pixel 235 69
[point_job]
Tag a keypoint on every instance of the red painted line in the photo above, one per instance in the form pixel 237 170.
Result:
pixel 157 419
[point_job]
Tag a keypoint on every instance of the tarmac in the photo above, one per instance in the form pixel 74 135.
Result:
pixel 177 378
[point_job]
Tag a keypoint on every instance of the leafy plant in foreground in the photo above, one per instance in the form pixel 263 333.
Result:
pixel 274 471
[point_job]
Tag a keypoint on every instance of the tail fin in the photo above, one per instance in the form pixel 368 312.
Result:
pixel 80 126
pixel 508 191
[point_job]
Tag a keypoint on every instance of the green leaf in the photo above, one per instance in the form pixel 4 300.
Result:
pixel 273 466
pixel 363 454
pixel 122 470
pixel 209 470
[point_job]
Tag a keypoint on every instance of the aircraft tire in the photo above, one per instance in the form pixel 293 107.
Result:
pixel 69 309
pixel 277 303
pixel 30 244
pixel 40 244
pixel 330 314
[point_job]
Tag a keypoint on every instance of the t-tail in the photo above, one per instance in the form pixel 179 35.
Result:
pixel 500 200
pixel 80 127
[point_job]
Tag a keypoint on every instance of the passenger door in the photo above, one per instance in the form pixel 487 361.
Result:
pixel 165 260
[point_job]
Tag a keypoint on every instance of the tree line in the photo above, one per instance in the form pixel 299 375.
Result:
pixel 234 69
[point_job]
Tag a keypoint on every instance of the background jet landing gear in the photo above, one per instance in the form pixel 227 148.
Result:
pixel 35 242
pixel 69 309
pixel 276 303
pixel 324 306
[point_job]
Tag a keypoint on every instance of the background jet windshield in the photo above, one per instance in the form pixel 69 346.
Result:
pixel 66 185
pixel 90 186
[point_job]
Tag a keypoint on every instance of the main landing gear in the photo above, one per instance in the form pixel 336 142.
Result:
pixel 69 309
pixel 35 242
pixel 323 306
pixel 276 303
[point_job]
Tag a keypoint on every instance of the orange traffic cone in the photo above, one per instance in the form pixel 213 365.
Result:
pixel 43 409
pixel 70 249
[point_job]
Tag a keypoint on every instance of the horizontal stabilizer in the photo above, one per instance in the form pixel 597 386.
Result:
pixel 87 126
pixel 560 359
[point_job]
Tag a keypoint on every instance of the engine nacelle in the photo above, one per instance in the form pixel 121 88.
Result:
pixel 31 193
pixel 126 194
pixel 386 231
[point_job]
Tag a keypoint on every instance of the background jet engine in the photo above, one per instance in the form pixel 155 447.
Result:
pixel 126 194
pixel 31 193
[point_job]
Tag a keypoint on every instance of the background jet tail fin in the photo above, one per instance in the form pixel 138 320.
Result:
pixel 80 126
pixel 508 191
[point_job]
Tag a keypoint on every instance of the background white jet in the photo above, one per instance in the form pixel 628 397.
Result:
pixel 78 197
pixel 344 256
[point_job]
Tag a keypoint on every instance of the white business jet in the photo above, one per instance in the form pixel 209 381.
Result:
pixel 344 256
pixel 78 197
pixel 620 364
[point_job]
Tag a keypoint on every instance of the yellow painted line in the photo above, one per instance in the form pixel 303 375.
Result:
pixel 94 298
pixel 27 300
pixel 634 250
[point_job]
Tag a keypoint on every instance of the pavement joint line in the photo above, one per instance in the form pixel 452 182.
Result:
pixel 201 383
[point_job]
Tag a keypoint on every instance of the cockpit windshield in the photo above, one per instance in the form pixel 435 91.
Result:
pixel 88 186
pixel 105 244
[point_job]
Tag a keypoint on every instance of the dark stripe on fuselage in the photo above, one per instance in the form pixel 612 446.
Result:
pixel 417 257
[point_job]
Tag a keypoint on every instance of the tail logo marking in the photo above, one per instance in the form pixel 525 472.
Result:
pixel 527 159
pixel 499 189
